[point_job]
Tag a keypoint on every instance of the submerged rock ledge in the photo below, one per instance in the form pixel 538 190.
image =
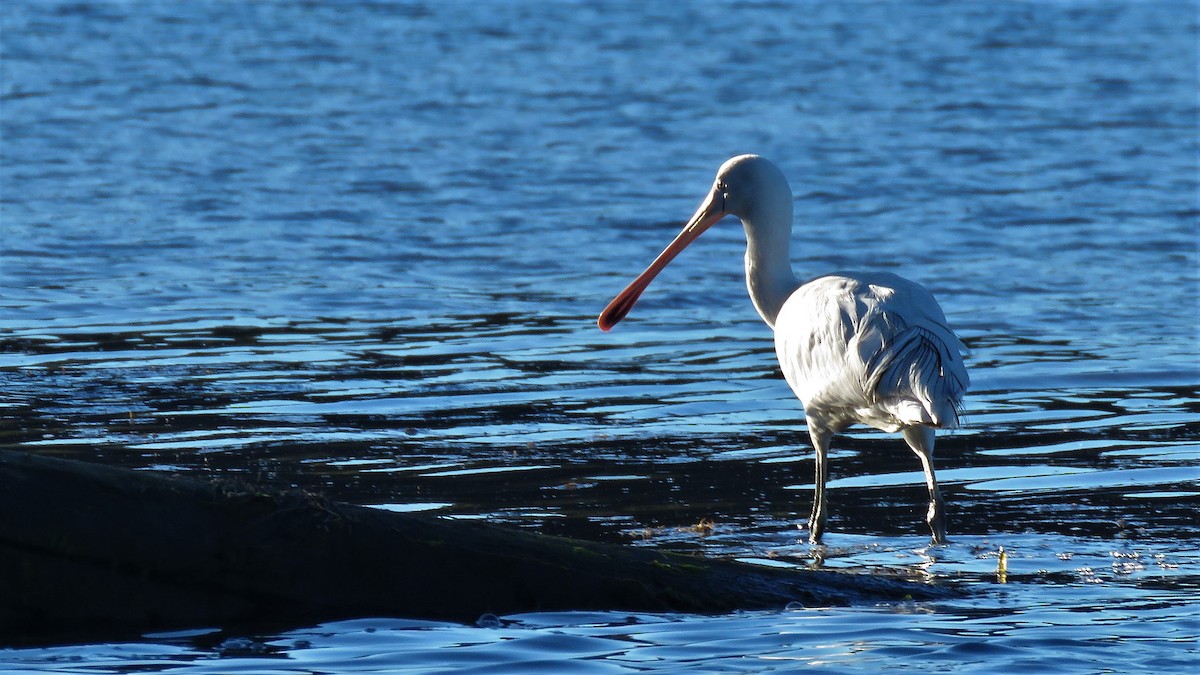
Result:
pixel 93 549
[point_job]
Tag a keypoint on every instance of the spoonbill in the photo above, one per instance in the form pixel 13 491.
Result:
pixel 855 347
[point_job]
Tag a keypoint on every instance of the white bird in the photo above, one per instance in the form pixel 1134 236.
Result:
pixel 856 347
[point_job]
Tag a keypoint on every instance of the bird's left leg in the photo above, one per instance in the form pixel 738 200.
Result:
pixel 920 439
pixel 820 440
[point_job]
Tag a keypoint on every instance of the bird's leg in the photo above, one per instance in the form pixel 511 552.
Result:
pixel 920 439
pixel 820 440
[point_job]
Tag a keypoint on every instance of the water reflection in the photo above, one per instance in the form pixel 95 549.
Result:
pixel 513 419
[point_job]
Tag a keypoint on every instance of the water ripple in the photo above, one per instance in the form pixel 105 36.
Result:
pixel 360 250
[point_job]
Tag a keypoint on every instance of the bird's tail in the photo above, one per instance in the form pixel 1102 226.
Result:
pixel 922 378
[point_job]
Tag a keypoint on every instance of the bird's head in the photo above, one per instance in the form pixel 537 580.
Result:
pixel 745 186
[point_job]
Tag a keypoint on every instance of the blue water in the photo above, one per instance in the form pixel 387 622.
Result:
pixel 360 248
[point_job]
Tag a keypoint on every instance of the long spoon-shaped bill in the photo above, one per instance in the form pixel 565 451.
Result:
pixel 710 211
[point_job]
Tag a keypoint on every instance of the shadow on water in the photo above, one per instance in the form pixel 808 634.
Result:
pixel 478 417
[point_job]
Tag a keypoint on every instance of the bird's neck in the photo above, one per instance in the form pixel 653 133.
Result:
pixel 768 264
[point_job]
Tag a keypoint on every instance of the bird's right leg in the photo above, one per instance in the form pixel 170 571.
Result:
pixel 820 440
pixel 920 439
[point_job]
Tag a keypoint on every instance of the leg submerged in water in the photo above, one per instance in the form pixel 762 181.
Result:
pixel 920 439
pixel 820 441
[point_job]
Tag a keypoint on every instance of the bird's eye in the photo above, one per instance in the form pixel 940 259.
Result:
pixel 722 187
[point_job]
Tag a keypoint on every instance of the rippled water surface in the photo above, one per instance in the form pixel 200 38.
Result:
pixel 360 248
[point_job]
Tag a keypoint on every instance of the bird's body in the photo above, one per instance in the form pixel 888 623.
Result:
pixel 871 348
